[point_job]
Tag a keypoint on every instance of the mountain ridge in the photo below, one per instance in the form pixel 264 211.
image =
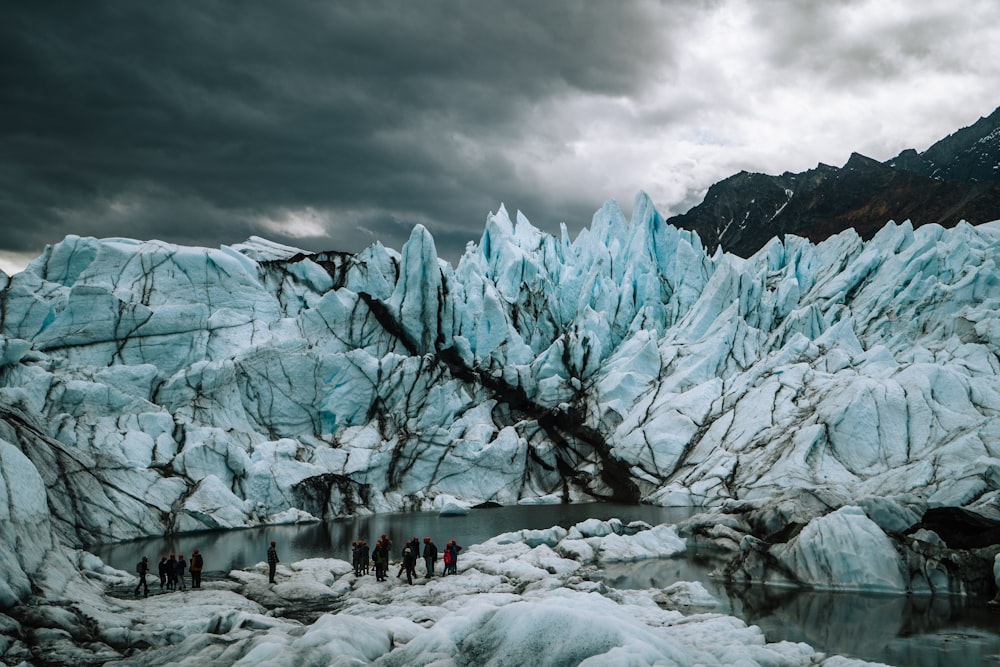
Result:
pixel 957 178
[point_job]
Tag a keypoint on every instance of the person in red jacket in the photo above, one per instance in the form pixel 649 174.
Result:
pixel 451 557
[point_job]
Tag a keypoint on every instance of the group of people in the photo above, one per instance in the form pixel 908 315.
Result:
pixel 363 557
pixel 171 571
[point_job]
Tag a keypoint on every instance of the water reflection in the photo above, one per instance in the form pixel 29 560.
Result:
pixel 923 631
pixel 229 550
pixel 660 573
pixel 897 630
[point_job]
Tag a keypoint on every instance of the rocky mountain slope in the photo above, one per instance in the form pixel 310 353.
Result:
pixel 958 178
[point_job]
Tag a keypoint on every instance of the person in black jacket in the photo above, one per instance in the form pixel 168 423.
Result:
pixel 387 548
pixel 379 558
pixel 163 572
pixel 365 558
pixel 430 555
pixel 142 568
pixel 414 546
pixel 181 566
pixel 172 572
pixel 272 562
pixel 409 562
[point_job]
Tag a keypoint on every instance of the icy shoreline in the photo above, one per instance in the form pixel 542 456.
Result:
pixel 526 597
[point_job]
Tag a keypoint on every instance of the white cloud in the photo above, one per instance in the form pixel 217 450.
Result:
pixel 772 87
pixel 302 223
pixel 14 262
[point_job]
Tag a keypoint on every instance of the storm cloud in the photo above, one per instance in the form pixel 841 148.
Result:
pixel 329 126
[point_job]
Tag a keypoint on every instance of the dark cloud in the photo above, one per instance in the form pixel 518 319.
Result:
pixel 329 125
pixel 188 121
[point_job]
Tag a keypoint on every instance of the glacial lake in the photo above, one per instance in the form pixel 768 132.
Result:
pixel 922 631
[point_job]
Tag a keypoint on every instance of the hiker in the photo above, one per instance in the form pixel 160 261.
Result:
pixel 272 562
pixel 356 558
pixel 414 547
pixel 409 563
pixel 378 558
pixel 181 566
pixel 197 564
pixel 386 550
pixel 365 558
pixel 387 547
pixel 172 572
pixel 451 557
pixel 141 568
pixel 162 567
pixel 430 555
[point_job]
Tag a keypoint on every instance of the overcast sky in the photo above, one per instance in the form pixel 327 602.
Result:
pixel 331 125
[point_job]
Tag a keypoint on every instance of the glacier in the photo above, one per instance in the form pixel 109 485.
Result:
pixel 180 388
pixel 808 397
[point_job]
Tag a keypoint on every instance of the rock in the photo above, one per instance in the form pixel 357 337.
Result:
pixel 961 528
pixel 891 515
pixel 453 509
pixel 843 550
pixel 684 595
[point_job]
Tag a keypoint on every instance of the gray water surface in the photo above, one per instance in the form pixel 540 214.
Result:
pixel 237 549
pixel 946 631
